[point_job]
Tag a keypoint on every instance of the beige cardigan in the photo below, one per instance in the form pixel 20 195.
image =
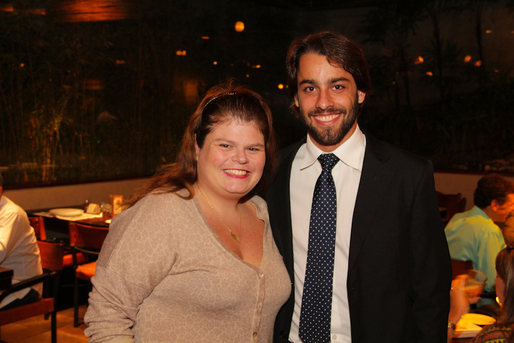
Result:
pixel 164 276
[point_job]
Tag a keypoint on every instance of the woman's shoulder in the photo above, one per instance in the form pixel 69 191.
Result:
pixel 496 333
pixel 163 198
pixel 259 203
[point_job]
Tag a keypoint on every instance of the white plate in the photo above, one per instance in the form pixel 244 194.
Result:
pixel 67 212
pixel 466 329
pixel 478 319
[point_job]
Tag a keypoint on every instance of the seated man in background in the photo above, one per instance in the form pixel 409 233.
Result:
pixel 473 235
pixel 18 251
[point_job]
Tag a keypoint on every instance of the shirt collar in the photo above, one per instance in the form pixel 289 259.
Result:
pixel 477 211
pixel 350 152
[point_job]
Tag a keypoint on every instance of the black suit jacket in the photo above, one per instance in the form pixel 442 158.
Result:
pixel 399 271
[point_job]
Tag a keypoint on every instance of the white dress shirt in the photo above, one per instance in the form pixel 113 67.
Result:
pixel 18 247
pixel 304 174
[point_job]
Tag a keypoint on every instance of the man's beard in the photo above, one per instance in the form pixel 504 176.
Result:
pixel 331 135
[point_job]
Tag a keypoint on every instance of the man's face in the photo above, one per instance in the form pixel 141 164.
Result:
pixel 501 212
pixel 328 101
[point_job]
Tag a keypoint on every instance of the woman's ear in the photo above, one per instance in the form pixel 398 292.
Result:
pixel 197 149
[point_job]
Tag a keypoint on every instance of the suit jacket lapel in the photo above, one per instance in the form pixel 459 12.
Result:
pixel 372 187
pixel 279 203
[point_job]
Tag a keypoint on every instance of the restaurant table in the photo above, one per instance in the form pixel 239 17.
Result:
pixel 57 227
pixel 6 275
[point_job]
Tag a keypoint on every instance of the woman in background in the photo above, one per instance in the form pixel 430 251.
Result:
pixel 193 259
pixel 502 330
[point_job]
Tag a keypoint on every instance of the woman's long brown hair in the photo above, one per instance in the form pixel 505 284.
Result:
pixel 505 270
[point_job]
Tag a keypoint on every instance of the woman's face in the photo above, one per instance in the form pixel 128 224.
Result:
pixel 232 159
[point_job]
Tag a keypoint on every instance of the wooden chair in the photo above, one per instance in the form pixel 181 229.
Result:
pixel 88 240
pixel 451 203
pixel 51 261
pixel 38 224
pixel 460 267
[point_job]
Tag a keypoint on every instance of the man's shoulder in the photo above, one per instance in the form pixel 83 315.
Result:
pixel 11 208
pixel 389 154
pixel 290 151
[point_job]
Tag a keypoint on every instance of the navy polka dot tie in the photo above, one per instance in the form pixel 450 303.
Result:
pixel 317 289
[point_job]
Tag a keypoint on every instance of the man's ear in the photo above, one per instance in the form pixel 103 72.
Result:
pixel 361 96
pixel 296 103
pixel 495 205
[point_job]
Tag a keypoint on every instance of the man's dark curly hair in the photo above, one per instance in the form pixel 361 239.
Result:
pixel 492 187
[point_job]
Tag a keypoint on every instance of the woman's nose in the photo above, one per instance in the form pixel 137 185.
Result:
pixel 240 156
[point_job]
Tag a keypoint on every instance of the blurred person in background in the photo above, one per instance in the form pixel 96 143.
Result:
pixel 18 251
pixel 473 235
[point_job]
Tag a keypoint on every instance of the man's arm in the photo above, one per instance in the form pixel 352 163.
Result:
pixel 430 264
pixel 8 221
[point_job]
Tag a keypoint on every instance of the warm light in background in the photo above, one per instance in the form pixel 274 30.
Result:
pixel 247 75
pixel 280 86
pixel 98 10
pixel 240 26
pixel 94 84
pixel 181 52
pixel 257 66
pixel 6 8
pixel 429 73
pixel 478 63
pixel 120 62
pixel 215 63
pixel 419 60
pixel 206 37
pixel 467 58
pixel 22 65
pixel 488 31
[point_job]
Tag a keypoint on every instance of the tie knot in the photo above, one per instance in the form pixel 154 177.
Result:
pixel 328 161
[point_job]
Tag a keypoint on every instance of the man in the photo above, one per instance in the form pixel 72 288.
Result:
pixel 473 235
pixel 18 251
pixel 391 267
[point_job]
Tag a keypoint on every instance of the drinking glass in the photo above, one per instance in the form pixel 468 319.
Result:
pixel 475 283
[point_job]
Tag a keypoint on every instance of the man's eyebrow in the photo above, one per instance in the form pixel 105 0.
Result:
pixel 339 79
pixel 331 81
pixel 307 81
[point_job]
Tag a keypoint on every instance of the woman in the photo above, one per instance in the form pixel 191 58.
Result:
pixel 502 330
pixel 193 259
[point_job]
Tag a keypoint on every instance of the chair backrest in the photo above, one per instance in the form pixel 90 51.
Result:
pixel 51 255
pixel 51 260
pixel 38 223
pixel 87 236
pixel 460 267
pixel 452 203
